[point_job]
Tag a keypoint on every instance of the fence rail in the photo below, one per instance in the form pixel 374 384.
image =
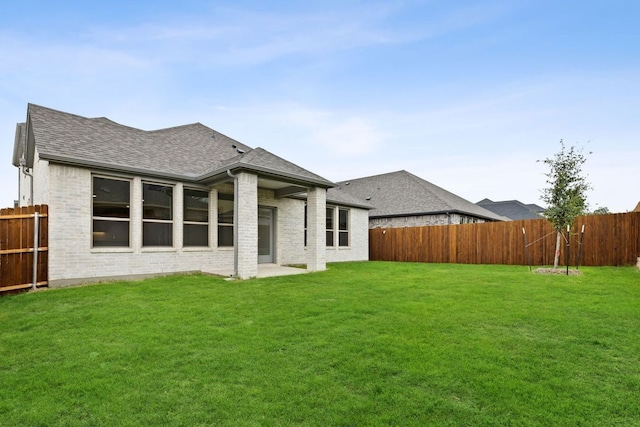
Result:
pixel 23 247
pixel 609 240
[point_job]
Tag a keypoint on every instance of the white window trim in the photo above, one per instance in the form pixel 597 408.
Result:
pixel 128 248
pixel 202 223
pixel 171 221
pixel 347 231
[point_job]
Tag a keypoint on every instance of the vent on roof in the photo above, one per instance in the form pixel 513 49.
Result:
pixel 240 150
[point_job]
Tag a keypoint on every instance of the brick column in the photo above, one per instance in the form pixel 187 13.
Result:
pixel 316 229
pixel 247 225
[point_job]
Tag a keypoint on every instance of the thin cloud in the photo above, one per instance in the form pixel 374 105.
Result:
pixel 239 37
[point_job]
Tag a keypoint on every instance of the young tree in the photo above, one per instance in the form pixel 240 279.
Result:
pixel 565 197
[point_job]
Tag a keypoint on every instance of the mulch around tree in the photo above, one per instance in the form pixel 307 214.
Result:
pixel 572 272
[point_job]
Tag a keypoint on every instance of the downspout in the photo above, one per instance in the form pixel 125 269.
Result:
pixel 235 222
pixel 23 164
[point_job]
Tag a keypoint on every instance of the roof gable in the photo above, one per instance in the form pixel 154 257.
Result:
pixel 402 193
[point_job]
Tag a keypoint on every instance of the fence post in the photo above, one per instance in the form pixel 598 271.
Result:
pixel 580 247
pixel 568 245
pixel 526 248
pixel 36 241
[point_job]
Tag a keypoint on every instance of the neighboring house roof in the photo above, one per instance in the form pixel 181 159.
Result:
pixel 637 209
pixel 512 209
pixel 338 196
pixel 402 194
pixel 535 208
pixel 192 152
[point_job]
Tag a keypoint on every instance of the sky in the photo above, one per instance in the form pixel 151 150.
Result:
pixel 468 95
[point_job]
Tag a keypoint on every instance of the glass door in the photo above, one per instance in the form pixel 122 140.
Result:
pixel 265 235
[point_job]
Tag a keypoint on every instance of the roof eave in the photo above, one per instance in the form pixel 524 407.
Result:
pixel 116 168
pixel 221 174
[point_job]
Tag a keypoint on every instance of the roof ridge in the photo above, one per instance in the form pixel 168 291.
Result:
pixel 371 176
pixel 425 185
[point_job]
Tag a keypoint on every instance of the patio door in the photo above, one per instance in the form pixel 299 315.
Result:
pixel 265 235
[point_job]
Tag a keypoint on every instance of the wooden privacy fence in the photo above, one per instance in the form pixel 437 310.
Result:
pixel 612 240
pixel 23 247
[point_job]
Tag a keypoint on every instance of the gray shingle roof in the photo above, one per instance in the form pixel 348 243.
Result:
pixel 402 193
pixel 512 209
pixel 190 152
pixel 338 196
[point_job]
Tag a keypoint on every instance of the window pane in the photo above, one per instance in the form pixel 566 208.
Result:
pixel 196 206
pixel 157 234
pixel 329 218
pixel 329 238
pixel 196 235
pixel 225 235
pixel 343 238
pixel 111 197
pixel 110 233
pixel 157 201
pixel 343 219
pixel 225 211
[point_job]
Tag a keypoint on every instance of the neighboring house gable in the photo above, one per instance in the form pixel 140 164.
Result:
pixel 512 209
pixel 129 202
pixel 401 199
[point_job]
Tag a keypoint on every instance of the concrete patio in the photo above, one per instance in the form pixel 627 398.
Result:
pixel 264 270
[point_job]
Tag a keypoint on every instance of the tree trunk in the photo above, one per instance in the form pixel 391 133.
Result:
pixel 556 258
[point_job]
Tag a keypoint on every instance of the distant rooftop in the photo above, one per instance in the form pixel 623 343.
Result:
pixel 402 193
pixel 513 209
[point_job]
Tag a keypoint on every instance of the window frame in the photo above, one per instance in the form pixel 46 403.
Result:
pixel 117 219
pixel 186 222
pixel 347 230
pixel 169 221
pixel 228 198
pixel 330 231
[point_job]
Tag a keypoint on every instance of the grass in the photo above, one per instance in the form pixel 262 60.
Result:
pixel 363 344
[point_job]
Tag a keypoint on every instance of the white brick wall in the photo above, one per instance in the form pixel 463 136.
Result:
pixel 358 249
pixel 72 260
pixel 289 227
pixel 316 229
pixel 247 215
pixel 40 172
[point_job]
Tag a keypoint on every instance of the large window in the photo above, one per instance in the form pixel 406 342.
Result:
pixel 225 220
pixel 330 226
pixel 343 227
pixel 196 218
pixel 111 212
pixel 157 217
pixel 337 220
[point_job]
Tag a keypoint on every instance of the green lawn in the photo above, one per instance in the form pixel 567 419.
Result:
pixel 363 344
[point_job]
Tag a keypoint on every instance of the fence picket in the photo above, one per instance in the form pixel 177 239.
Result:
pixel 17 250
pixel 612 240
